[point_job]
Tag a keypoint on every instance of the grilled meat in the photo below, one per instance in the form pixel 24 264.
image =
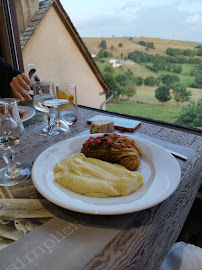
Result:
pixel 113 148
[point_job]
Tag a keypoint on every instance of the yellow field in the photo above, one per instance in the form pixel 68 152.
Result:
pixel 131 45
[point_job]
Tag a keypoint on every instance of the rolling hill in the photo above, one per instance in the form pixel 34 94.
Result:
pixel 131 44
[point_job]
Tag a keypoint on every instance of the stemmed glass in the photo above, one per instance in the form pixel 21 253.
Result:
pixel 44 90
pixel 56 105
pixel 11 130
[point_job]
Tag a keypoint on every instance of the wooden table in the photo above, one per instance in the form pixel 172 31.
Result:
pixel 147 238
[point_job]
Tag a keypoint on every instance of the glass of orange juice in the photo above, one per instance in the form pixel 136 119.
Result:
pixel 67 91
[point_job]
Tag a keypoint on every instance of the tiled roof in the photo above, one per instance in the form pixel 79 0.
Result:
pixel 29 31
pixel 39 15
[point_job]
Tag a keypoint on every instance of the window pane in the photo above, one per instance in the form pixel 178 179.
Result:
pixel 148 52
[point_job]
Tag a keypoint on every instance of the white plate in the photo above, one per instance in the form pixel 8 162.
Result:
pixel 159 168
pixel 28 113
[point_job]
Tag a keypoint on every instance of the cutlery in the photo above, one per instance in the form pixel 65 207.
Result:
pixel 177 154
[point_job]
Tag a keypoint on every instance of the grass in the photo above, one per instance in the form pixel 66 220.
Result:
pixel 141 70
pixel 168 114
pixel 187 68
pixel 131 44
pixel 146 94
pixel 144 102
pixel 185 80
pixel 101 67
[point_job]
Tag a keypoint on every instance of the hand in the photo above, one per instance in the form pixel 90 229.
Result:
pixel 20 85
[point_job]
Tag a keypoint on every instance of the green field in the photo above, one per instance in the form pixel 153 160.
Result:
pixel 185 80
pixel 144 103
pixel 187 68
pixel 141 70
pixel 168 114
pixel 146 94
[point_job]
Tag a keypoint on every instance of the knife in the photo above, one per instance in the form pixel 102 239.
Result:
pixel 177 154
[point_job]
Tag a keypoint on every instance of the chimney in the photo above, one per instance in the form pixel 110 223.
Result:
pixel 25 10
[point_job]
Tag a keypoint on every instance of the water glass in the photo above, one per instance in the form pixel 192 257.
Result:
pixel 11 130
pixel 43 90
pixel 67 91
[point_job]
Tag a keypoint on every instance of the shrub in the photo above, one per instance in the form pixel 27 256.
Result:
pixel 150 81
pixel 162 93
pixel 191 114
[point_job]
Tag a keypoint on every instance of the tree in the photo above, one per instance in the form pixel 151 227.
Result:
pixel 120 45
pixel 191 114
pixel 139 80
pixel 194 71
pixel 129 74
pixel 106 54
pixel 199 52
pixel 121 79
pixel 160 63
pixel 147 44
pixel 113 84
pixel 103 44
pixel 150 45
pixel 140 57
pixel 158 80
pixel 109 69
pixel 170 80
pixel 101 54
pixel 130 89
pixel 188 52
pixel 142 42
pixel 173 52
pixel 198 79
pixel 150 81
pixel 162 93
pixel 181 94
pixel 177 68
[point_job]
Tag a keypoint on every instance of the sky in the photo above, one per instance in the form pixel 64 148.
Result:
pixel 169 19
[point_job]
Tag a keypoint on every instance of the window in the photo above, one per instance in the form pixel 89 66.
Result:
pixel 154 68
pixel 150 53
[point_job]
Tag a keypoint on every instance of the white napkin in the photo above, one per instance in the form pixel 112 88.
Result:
pixel 192 258
pixel 183 256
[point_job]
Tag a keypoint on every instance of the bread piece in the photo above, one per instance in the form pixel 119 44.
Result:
pixel 102 126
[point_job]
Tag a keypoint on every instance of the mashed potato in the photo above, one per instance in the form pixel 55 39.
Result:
pixel 96 178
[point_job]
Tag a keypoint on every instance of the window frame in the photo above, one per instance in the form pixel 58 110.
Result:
pixel 10 39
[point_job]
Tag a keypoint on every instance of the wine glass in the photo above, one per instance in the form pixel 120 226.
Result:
pixel 11 130
pixel 44 90
pixel 56 105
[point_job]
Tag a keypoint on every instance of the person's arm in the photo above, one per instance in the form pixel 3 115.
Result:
pixel 12 78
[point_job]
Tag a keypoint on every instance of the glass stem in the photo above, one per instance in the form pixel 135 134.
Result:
pixel 6 111
pixel 48 118
pixel 9 158
pixel 57 113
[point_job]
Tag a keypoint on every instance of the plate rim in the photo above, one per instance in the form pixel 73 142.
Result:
pixel 108 212
pixel 32 110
